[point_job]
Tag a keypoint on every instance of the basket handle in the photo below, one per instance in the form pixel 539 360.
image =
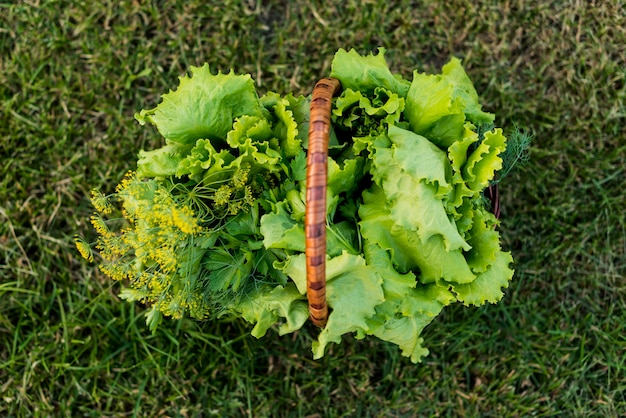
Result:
pixel 315 210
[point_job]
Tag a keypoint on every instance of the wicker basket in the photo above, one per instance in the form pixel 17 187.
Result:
pixel 315 211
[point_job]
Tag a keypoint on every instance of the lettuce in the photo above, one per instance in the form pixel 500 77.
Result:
pixel 215 216
pixel 203 107
pixel 439 104
pixel 366 73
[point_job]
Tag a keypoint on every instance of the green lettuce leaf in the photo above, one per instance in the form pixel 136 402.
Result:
pixel 363 116
pixel 485 160
pixel 420 158
pixel 465 91
pixel 457 154
pixel 299 106
pixel 203 107
pixel 204 161
pixel 395 285
pixel 408 308
pixel 286 129
pixel 431 105
pixel 268 306
pixel 487 286
pixel 484 239
pixel 353 289
pixel 408 251
pixel 416 310
pixel 366 73
pixel 344 178
pixel 254 140
pixel 437 105
pixel 279 230
pixel 413 174
pixel 161 162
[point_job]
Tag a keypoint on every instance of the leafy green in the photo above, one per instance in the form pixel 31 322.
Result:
pixel 487 286
pixel 484 161
pixel 203 107
pixel 214 219
pixel 279 230
pixel 438 105
pixel 269 305
pixel 353 291
pixel 366 73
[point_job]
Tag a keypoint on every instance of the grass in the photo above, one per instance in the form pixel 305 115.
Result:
pixel 72 74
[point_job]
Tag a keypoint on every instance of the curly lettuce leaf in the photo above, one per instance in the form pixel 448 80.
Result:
pixel 465 91
pixel 344 178
pixel 280 230
pixel 366 73
pixel 438 105
pixel 353 290
pixel 203 107
pixel 408 250
pixel 485 160
pixel 161 162
pixel 268 306
pixel 286 128
pixel 416 310
pixel 363 115
pixel 203 161
pixel 408 307
pixel 299 106
pixel 431 107
pixel 395 285
pixel 420 158
pixel 457 154
pixel 488 285
pixel 484 239
pixel 255 142
pixel 414 176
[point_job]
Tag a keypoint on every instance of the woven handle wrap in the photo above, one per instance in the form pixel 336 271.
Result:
pixel 315 212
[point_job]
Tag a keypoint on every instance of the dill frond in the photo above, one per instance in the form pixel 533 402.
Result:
pixel 517 151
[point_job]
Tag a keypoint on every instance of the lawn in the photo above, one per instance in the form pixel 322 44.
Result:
pixel 74 72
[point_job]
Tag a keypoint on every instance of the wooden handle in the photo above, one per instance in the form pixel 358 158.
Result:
pixel 315 211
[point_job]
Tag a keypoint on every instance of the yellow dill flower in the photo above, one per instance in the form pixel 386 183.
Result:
pixel 222 195
pixel 185 220
pixel 83 248
pixel 163 198
pixel 128 179
pixel 100 226
pixel 101 202
pixel 249 196
pixel 156 285
pixel 111 247
pixel 235 207
pixel 165 257
pixel 240 178
pixel 142 280
pixel 116 271
pixel 196 307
